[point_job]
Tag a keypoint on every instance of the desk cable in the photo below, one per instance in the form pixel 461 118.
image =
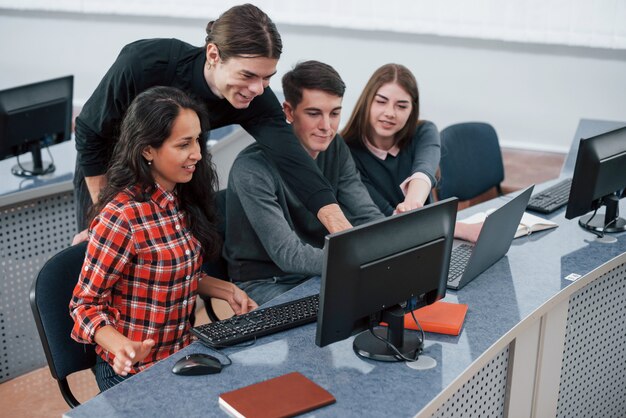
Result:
pixel 247 344
pixel 28 173
pixel 601 233
pixel 399 355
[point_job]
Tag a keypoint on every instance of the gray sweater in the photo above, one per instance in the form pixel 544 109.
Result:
pixel 383 177
pixel 269 231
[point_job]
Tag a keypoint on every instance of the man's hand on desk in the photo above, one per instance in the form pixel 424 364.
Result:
pixel 333 218
pixel 80 237
pixel 467 232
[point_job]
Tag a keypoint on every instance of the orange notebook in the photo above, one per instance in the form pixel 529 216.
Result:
pixel 440 317
pixel 283 396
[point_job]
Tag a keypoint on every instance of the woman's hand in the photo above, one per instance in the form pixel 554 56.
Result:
pixel 126 351
pixel 129 353
pixel 238 300
pixel 415 194
pixel 407 205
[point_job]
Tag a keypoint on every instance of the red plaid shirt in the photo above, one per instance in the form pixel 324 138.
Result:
pixel 139 275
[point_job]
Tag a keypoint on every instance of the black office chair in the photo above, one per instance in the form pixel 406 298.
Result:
pixel 471 161
pixel 217 268
pixel 50 296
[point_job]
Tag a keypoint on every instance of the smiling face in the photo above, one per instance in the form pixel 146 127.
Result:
pixel 315 120
pixel 238 79
pixel 175 160
pixel 389 112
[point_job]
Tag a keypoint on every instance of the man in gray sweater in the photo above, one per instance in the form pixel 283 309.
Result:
pixel 273 242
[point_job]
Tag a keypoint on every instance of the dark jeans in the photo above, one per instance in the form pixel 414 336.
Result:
pixel 105 375
pixel 264 290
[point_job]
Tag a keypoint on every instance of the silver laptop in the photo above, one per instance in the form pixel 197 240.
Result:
pixel 496 236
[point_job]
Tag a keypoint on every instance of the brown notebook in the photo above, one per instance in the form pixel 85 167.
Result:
pixel 283 396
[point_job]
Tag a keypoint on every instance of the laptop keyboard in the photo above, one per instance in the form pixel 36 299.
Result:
pixel 552 198
pixel 259 322
pixel 458 260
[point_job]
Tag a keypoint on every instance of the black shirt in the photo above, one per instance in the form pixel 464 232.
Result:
pixel 143 64
pixel 383 177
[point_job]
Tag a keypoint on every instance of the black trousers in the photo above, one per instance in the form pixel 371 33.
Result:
pixel 82 199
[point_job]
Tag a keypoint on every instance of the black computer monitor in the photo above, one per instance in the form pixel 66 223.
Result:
pixel 371 271
pixel 34 116
pixel 599 180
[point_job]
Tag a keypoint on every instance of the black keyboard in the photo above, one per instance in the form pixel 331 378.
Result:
pixel 259 322
pixel 552 198
pixel 458 260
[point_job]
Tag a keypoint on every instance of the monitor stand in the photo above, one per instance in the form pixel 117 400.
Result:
pixel 611 223
pixel 36 168
pixel 407 342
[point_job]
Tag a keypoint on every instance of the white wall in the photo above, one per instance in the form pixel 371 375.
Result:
pixel 593 23
pixel 533 94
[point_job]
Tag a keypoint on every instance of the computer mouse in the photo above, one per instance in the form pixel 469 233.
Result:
pixel 197 364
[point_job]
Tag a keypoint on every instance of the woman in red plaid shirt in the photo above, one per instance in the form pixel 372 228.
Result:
pixel 153 225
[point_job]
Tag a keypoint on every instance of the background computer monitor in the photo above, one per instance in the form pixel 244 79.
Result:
pixel 34 116
pixel 370 270
pixel 586 128
pixel 599 180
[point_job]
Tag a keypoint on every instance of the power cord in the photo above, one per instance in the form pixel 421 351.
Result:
pixel 594 232
pixel 224 365
pixel 393 348
pixel 603 232
pixel 29 173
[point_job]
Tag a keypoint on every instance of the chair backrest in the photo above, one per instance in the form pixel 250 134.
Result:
pixel 471 161
pixel 50 296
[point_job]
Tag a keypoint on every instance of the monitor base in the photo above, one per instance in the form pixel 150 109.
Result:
pixel 597 224
pixel 368 346
pixel 606 239
pixel 31 170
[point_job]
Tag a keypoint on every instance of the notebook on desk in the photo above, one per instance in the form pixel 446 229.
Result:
pixel 287 395
pixel 496 235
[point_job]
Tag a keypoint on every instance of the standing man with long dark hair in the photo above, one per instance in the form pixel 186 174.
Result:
pixel 230 75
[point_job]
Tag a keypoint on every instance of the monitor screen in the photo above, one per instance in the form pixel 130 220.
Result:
pixel 585 129
pixel 34 116
pixel 599 180
pixel 371 271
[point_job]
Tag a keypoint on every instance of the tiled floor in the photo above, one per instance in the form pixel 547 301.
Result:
pixel 36 394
